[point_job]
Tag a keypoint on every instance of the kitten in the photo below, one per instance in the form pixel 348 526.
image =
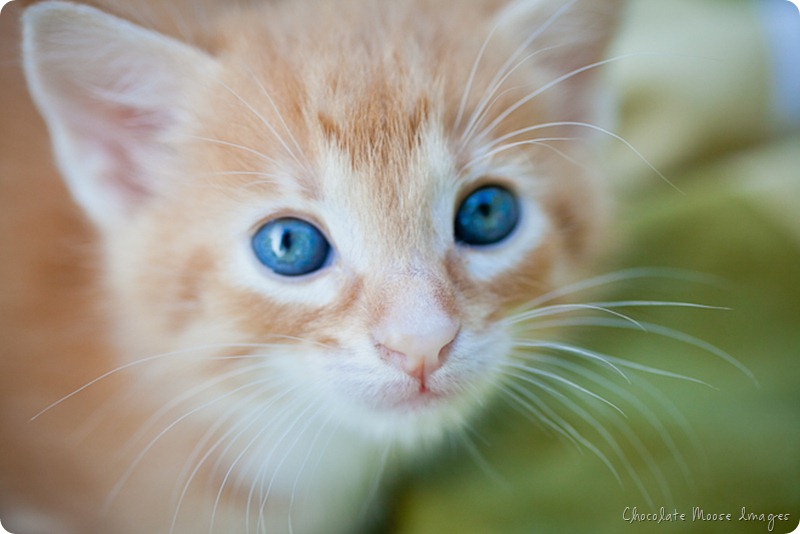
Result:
pixel 312 220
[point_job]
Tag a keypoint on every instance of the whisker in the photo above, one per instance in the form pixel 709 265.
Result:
pixel 246 173
pixel 647 456
pixel 276 422
pixel 623 275
pixel 565 308
pixel 659 330
pixel 545 143
pixel 571 349
pixel 658 304
pixel 234 145
pixel 682 423
pixel 579 124
pixel 619 362
pixel 528 370
pixel 246 424
pixel 157 357
pixel 103 412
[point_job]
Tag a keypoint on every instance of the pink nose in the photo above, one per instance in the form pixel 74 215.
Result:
pixel 417 345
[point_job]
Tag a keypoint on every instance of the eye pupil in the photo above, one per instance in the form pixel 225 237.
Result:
pixel 291 247
pixel 487 216
pixel 286 241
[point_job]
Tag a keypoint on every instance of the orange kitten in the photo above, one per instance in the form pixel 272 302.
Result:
pixel 312 220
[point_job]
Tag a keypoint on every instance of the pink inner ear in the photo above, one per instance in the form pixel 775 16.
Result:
pixel 123 178
pixel 129 143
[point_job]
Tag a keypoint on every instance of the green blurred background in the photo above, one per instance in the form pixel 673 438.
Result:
pixel 700 104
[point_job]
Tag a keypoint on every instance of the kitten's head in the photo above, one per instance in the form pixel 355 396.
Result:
pixel 339 202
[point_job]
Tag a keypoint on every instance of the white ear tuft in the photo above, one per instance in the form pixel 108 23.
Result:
pixel 111 94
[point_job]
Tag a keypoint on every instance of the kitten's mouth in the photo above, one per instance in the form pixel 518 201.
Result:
pixel 420 398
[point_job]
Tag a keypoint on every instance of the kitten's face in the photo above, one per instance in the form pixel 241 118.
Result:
pixel 339 208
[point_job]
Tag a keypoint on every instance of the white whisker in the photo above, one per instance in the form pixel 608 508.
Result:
pixel 614 361
pixel 562 347
pixel 229 144
pixel 659 330
pixel 657 304
pixel 566 308
pixel 273 177
pixel 624 275
pixel 157 357
pixel 578 124
pixel 528 370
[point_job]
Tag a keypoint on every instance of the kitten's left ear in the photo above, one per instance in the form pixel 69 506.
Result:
pixel 566 36
pixel 113 94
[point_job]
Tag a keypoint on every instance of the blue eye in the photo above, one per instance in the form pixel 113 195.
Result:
pixel 486 216
pixel 291 247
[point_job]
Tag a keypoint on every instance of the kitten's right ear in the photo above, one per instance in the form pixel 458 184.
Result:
pixel 113 95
